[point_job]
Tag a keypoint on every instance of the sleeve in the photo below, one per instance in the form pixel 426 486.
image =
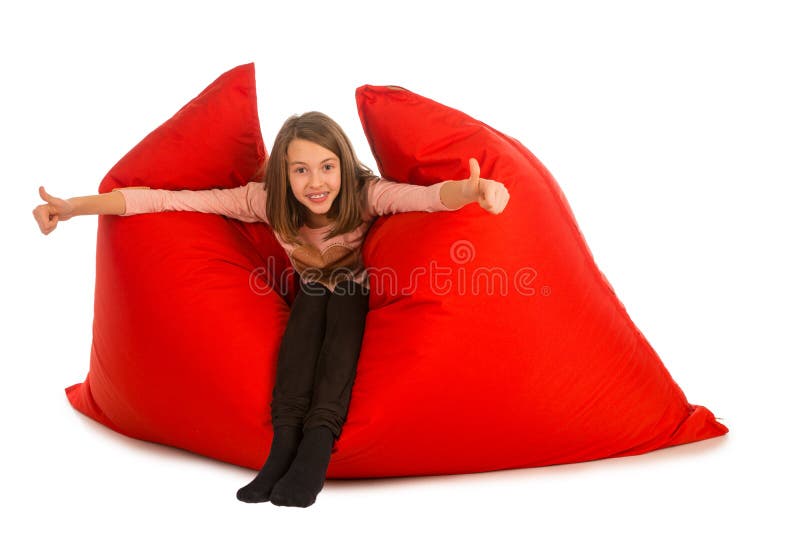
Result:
pixel 247 203
pixel 387 196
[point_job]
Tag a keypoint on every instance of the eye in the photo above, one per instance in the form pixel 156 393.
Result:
pixel 331 165
pixel 298 169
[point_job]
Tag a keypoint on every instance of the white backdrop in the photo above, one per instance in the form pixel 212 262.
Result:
pixel 671 127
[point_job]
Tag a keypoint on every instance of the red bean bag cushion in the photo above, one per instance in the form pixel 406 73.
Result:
pixel 186 324
pixel 512 350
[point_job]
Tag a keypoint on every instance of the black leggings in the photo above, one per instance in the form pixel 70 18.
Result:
pixel 318 356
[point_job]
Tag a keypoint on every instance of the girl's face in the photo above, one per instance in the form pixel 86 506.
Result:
pixel 313 171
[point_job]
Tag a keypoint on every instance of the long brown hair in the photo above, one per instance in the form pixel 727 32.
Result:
pixel 284 212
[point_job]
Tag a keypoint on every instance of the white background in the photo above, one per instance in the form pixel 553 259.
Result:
pixel 672 128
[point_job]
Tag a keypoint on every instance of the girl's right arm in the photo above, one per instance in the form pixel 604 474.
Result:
pixel 57 209
pixel 246 203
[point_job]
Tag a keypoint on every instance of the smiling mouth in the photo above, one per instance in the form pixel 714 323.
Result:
pixel 318 198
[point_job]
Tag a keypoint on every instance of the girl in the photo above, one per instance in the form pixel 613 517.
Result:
pixel 321 225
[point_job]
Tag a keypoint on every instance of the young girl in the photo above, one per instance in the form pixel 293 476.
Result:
pixel 321 225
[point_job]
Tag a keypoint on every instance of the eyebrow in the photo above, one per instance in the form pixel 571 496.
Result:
pixel 304 163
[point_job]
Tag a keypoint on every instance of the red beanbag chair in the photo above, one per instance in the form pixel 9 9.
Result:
pixel 186 327
pixel 512 350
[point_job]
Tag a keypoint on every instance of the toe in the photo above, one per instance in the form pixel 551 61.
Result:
pixel 301 500
pixel 248 494
pixel 279 499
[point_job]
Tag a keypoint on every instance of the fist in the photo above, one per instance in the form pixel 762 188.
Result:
pixel 491 195
pixel 48 215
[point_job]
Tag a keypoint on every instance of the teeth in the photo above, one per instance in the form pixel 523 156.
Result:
pixel 317 196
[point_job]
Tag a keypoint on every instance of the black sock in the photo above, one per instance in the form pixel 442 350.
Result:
pixel 306 476
pixel 285 441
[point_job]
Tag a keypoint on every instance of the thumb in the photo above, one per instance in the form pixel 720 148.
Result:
pixel 45 195
pixel 474 170
pixel 474 175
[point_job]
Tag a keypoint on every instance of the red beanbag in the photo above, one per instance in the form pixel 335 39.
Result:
pixel 185 327
pixel 511 349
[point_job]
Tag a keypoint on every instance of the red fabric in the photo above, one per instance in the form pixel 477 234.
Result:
pixel 183 350
pixel 453 379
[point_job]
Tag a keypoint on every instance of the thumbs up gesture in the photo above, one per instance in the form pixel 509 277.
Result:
pixel 48 215
pixel 491 195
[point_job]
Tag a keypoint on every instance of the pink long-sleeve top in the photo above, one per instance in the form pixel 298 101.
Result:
pixel 317 259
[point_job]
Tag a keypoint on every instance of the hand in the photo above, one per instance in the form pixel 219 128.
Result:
pixel 491 195
pixel 48 215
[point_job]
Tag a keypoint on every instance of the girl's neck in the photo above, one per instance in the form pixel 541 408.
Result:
pixel 315 221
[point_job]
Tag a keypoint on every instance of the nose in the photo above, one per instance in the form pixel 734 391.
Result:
pixel 315 179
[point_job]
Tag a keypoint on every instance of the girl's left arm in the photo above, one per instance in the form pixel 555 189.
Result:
pixel 386 196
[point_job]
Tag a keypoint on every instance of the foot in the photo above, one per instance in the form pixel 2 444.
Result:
pixel 306 476
pixel 285 441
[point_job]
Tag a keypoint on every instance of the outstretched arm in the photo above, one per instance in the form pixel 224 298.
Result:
pixel 387 197
pixel 58 209
pixel 246 203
